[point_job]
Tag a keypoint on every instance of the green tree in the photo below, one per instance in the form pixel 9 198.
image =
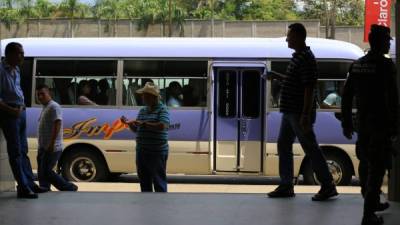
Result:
pixel 8 13
pixel 157 11
pixel 245 10
pixel 333 12
pixel 72 9
pixel 26 12
pixel 111 10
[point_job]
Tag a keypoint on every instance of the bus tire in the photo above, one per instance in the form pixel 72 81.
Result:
pixel 338 165
pixel 84 166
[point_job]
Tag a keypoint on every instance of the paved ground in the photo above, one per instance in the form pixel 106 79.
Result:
pixel 99 208
pixel 204 188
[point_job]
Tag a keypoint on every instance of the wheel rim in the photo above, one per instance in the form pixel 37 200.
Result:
pixel 335 169
pixel 83 169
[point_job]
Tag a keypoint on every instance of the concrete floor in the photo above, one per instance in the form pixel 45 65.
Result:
pixel 97 208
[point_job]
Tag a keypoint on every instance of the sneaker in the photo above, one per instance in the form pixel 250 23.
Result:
pixel 74 187
pixel 382 207
pixel 282 191
pixel 27 194
pixel 325 193
pixel 70 187
pixel 372 220
pixel 37 189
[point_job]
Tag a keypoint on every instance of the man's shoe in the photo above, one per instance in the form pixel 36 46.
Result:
pixel 372 220
pixel 325 193
pixel 27 194
pixel 70 187
pixel 282 191
pixel 74 187
pixel 37 189
pixel 382 206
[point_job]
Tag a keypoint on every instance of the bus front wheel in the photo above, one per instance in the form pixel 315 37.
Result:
pixel 84 166
pixel 338 165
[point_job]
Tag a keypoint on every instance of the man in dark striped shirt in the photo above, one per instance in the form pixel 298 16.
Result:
pixel 151 126
pixel 298 104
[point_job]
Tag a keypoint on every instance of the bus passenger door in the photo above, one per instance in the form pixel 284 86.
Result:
pixel 238 119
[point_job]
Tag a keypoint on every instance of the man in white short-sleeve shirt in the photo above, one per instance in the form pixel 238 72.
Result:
pixel 50 132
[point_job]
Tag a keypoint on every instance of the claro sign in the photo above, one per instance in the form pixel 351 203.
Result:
pixel 376 12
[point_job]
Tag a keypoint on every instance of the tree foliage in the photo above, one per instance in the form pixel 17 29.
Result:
pixel 341 12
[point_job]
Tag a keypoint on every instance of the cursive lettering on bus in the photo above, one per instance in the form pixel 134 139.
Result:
pixel 86 127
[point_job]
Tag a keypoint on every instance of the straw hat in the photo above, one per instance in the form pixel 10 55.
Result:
pixel 149 88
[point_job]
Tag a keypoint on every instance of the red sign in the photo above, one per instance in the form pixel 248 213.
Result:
pixel 376 12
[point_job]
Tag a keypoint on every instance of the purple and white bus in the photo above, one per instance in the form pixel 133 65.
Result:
pixel 224 110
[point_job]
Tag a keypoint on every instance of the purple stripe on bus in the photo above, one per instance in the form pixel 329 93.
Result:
pixel 327 128
pixel 185 125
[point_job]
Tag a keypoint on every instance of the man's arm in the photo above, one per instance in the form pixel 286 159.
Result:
pixel 347 106
pixel 4 107
pixel 10 110
pixel 276 75
pixel 54 133
pixel 393 101
pixel 305 119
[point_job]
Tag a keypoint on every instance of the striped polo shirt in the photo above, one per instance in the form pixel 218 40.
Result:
pixel 149 140
pixel 301 72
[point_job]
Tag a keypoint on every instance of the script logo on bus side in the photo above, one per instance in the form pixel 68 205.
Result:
pixel 87 127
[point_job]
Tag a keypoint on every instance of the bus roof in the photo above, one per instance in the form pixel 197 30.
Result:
pixel 180 48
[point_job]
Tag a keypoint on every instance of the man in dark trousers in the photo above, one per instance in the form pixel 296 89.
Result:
pixel 13 121
pixel 372 82
pixel 298 107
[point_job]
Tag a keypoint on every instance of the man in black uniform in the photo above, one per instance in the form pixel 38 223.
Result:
pixel 372 82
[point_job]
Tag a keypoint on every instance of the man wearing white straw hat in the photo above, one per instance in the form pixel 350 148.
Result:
pixel 151 127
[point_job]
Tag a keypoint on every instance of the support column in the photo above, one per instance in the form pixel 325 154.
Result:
pixel 7 182
pixel 394 180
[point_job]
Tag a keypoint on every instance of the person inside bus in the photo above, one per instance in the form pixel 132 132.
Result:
pixel 372 83
pixel 188 96
pixel 333 100
pixel 298 108
pixel 84 93
pixel 72 89
pixel 13 121
pixel 102 96
pixel 151 126
pixel 50 132
pixel 93 89
pixel 174 94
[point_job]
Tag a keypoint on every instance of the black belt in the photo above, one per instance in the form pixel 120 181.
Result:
pixel 16 106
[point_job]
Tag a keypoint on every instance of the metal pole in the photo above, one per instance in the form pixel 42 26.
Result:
pixel 394 179
pixel 170 19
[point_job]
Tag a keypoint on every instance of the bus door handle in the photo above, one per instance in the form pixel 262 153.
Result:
pixel 243 127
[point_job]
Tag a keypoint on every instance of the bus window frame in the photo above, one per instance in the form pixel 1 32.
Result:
pixel 34 77
pixel 119 79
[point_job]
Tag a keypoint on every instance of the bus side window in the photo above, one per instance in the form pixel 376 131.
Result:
pixel 79 82
pixel 181 83
pixel 279 66
pixel 330 94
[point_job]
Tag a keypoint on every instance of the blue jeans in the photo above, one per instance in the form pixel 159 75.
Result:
pixel 290 129
pixel 14 130
pixel 151 169
pixel 46 175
